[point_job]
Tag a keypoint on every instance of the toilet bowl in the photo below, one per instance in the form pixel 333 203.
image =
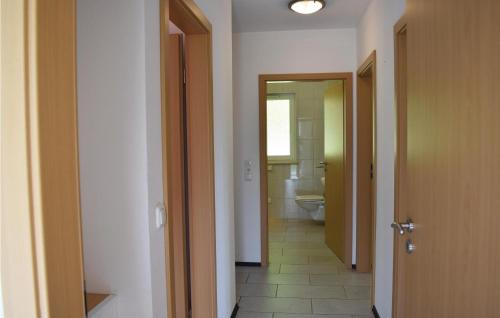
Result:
pixel 314 204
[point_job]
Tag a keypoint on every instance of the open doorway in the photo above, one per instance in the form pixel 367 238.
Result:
pixel 188 161
pixel 317 173
pixel 306 201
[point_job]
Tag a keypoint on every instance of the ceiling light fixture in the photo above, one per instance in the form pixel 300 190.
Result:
pixel 306 6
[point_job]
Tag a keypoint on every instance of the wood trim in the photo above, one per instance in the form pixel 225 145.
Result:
pixel 188 17
pixel 366 205
pixel 166 165
pixel 95 300
pixel 400 76
pixel 263 78
pixel 367 65
pixel 42 267
pixel 199 162
pixel 264 212
pixel 348 180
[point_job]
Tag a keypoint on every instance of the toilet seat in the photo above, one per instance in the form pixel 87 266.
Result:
pixel 310 197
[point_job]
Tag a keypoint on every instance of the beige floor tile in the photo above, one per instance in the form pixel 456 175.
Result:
pixel 309 269
pixel 297 244
pixel 296 237
pixel 322 259
pixel 292 227
pixel 267 304
pixel 343 307
pixel 276 251
pixel 264 278
pixel 307 251
pixel 277 227
pixel 358 292
pixel 315 237
pixel 302 259
pixel 265 290
pixel 301 221
pixel 305 276
pixel 308 291
pixel 241 277
pixel 272 268
pixel 343 278
pixel 280 237
pixel 243 314
pixel 280 315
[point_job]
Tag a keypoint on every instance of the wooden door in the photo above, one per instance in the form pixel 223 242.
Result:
pixel 365 185
pixel 334 169
pixel 448 160
pixel 177 258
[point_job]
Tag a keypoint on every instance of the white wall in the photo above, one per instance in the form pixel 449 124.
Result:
pixel 308 51
pixel 154 154
pixel 120 152
pixel 375 32
pixel 219 14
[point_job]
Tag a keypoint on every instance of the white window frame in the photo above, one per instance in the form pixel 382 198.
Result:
pixel 292 159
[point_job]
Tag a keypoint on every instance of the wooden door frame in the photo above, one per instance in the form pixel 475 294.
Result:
pixel 41 254
pixel 186 15
pixel 263 79
pixel 365 243
pixel 400 82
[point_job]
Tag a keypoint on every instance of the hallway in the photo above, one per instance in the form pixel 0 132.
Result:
pixel 304 278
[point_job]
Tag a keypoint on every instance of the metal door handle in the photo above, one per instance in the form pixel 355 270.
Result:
pixel 322 165
pixel 408 226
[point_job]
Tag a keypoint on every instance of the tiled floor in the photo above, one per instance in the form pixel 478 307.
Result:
pixel 304 278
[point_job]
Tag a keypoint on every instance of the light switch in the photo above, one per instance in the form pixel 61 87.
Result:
pixel 248 166
pixel 161 215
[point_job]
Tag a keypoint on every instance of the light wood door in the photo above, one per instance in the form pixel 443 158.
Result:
pixel 177 260
pixel 448 161
pixel 334 169
pixel 365 185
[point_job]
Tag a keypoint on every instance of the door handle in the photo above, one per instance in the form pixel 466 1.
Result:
pixel 408 226
pixel 322 165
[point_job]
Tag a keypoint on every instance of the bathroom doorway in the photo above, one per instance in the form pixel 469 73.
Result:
pixel 306 183
pixel 306 202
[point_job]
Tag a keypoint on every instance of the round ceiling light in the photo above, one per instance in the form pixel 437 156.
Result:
pixel 306 6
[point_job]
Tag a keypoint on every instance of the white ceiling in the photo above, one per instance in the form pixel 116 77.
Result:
pixel 274 15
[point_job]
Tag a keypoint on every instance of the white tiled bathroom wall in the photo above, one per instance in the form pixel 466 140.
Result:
pixel 286 181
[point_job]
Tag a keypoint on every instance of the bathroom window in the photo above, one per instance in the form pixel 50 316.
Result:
pixel 281 128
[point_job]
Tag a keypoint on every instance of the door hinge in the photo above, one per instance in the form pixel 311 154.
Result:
pixel 184 76
pixel 371 170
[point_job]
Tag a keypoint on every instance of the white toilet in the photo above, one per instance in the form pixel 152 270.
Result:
pixel 314 204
